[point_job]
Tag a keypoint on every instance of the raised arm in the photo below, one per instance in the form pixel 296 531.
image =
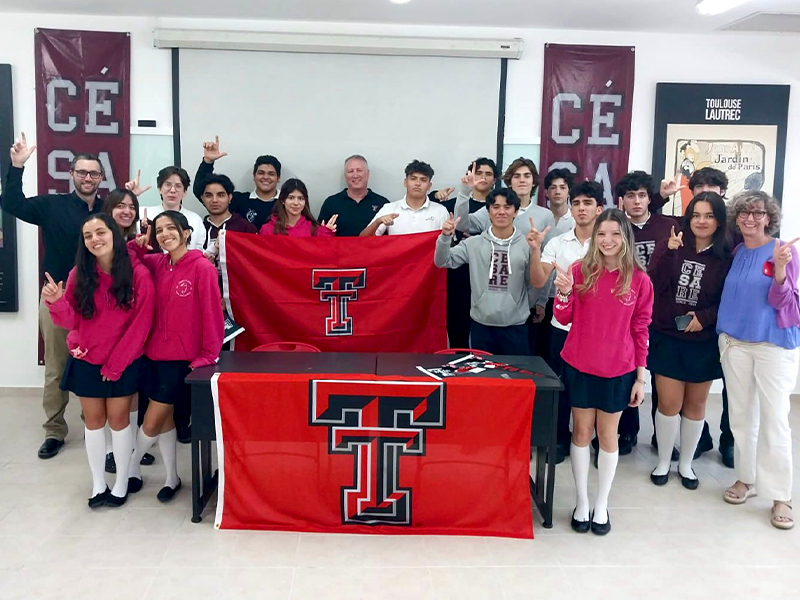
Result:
pixel 61 302
pixel 211 153
pixel 13 200
pixel 540 268
pixel 446 255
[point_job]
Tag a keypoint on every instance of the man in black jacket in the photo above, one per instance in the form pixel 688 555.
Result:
pixel 60 217
pixel 255 206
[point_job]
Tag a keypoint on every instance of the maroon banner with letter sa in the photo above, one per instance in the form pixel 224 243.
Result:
pixel 586 113
pixel 373 294
pixel 82 105
pixel 367 454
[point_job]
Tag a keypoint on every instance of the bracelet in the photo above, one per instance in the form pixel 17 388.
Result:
pixel 642 381
pixel 563 297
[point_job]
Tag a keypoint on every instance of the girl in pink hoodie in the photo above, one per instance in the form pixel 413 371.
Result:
pixel 108 309
pixel 292 216
pixel 187 333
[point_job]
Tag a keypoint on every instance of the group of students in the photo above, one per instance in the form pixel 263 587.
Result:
pixel 602 293
pixel 691 300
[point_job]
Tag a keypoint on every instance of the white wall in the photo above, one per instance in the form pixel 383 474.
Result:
pixel 716 58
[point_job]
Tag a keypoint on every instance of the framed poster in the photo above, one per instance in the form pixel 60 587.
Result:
pixel 738 129
pixel 9 298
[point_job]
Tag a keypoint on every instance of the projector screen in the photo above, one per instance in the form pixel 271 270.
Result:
pixel 312 111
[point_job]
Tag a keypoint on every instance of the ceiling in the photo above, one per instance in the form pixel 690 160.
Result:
pixel 615 15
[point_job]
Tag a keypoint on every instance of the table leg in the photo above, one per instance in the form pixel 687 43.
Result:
pixel 197 494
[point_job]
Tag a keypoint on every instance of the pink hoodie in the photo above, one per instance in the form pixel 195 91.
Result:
pixel 188 322
pixel 113 338
pixel 300 229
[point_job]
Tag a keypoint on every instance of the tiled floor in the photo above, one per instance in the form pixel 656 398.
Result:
pixel 665 543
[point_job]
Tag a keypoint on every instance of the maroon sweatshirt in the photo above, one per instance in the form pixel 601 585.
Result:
pixel 656 229
pixel 685 281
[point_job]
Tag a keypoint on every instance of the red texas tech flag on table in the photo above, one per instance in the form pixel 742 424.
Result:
pixel 377 294
pixel 363 454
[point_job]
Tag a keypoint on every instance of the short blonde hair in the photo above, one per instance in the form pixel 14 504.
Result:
pixel 747 200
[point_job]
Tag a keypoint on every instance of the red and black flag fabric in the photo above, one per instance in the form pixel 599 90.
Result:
pixel 369 454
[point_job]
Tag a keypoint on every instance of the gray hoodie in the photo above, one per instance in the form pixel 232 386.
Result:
pixel 499 275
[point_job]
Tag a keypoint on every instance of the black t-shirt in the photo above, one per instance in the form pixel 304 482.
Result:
pixel 353 216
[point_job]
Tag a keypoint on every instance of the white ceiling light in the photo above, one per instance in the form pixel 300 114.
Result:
pixel 399 1
pixel 715 7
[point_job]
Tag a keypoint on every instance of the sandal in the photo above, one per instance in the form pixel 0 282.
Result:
pixel 734 496
pixel 782 515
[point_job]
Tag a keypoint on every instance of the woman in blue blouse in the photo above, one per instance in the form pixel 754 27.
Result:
pixel 759 335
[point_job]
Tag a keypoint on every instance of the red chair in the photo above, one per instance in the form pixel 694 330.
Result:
pixel 286 347
pixel 463 351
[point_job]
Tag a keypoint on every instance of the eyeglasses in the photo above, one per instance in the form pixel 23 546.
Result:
pixel 756 214
pixel 178 187
pixel 84 174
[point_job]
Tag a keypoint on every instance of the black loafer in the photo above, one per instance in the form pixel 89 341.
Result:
pixel 147 459
pixel 99 500
pixel 184 433
pixel 50 448
pixel 626 445
pixel 601 529
pixel 111 464
pixel 134 484
pixel 166 493
pixel 579 526
pixel 112 500
pixel 562 451
pixel 676 456
pixel 659 479
pixel 727 456
pixel 689 483
pixel 704 445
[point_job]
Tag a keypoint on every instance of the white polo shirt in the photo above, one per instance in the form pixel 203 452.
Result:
pixel 564 249
pixel 429 217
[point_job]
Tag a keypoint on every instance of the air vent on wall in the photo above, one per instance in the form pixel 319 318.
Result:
pixel 767 22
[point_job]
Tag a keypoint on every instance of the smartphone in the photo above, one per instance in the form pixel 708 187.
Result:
pixel 682 322
pixel 769 269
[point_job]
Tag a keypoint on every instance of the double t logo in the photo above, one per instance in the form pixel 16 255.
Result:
pixel 338 286
pixel 377 422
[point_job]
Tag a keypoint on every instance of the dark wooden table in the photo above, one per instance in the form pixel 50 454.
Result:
pixel 543 425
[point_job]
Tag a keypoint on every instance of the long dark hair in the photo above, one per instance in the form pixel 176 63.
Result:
pixel 86 270
pixel 720 241
pixel 281 216
pixel 114 199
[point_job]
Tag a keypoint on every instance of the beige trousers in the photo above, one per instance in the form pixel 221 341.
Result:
pixel 54 400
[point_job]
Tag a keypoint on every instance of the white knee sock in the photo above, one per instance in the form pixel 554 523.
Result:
pixel 123 448
pixel 580 458
pixel 134 416
pixel 606 468
pixel 666 431
pixel 690 436
pixel 143 444
pixel 168 443
pixel 96 453
pixel 109 445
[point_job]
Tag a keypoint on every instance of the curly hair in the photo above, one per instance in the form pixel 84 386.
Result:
pixel 747 200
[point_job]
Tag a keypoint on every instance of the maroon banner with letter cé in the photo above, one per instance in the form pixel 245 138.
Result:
pixel 586 113
pixel 367 454
pixel 82 105
pixel 375 294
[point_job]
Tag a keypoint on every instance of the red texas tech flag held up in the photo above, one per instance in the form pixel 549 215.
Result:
pixel 378 294
pixel 359 454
